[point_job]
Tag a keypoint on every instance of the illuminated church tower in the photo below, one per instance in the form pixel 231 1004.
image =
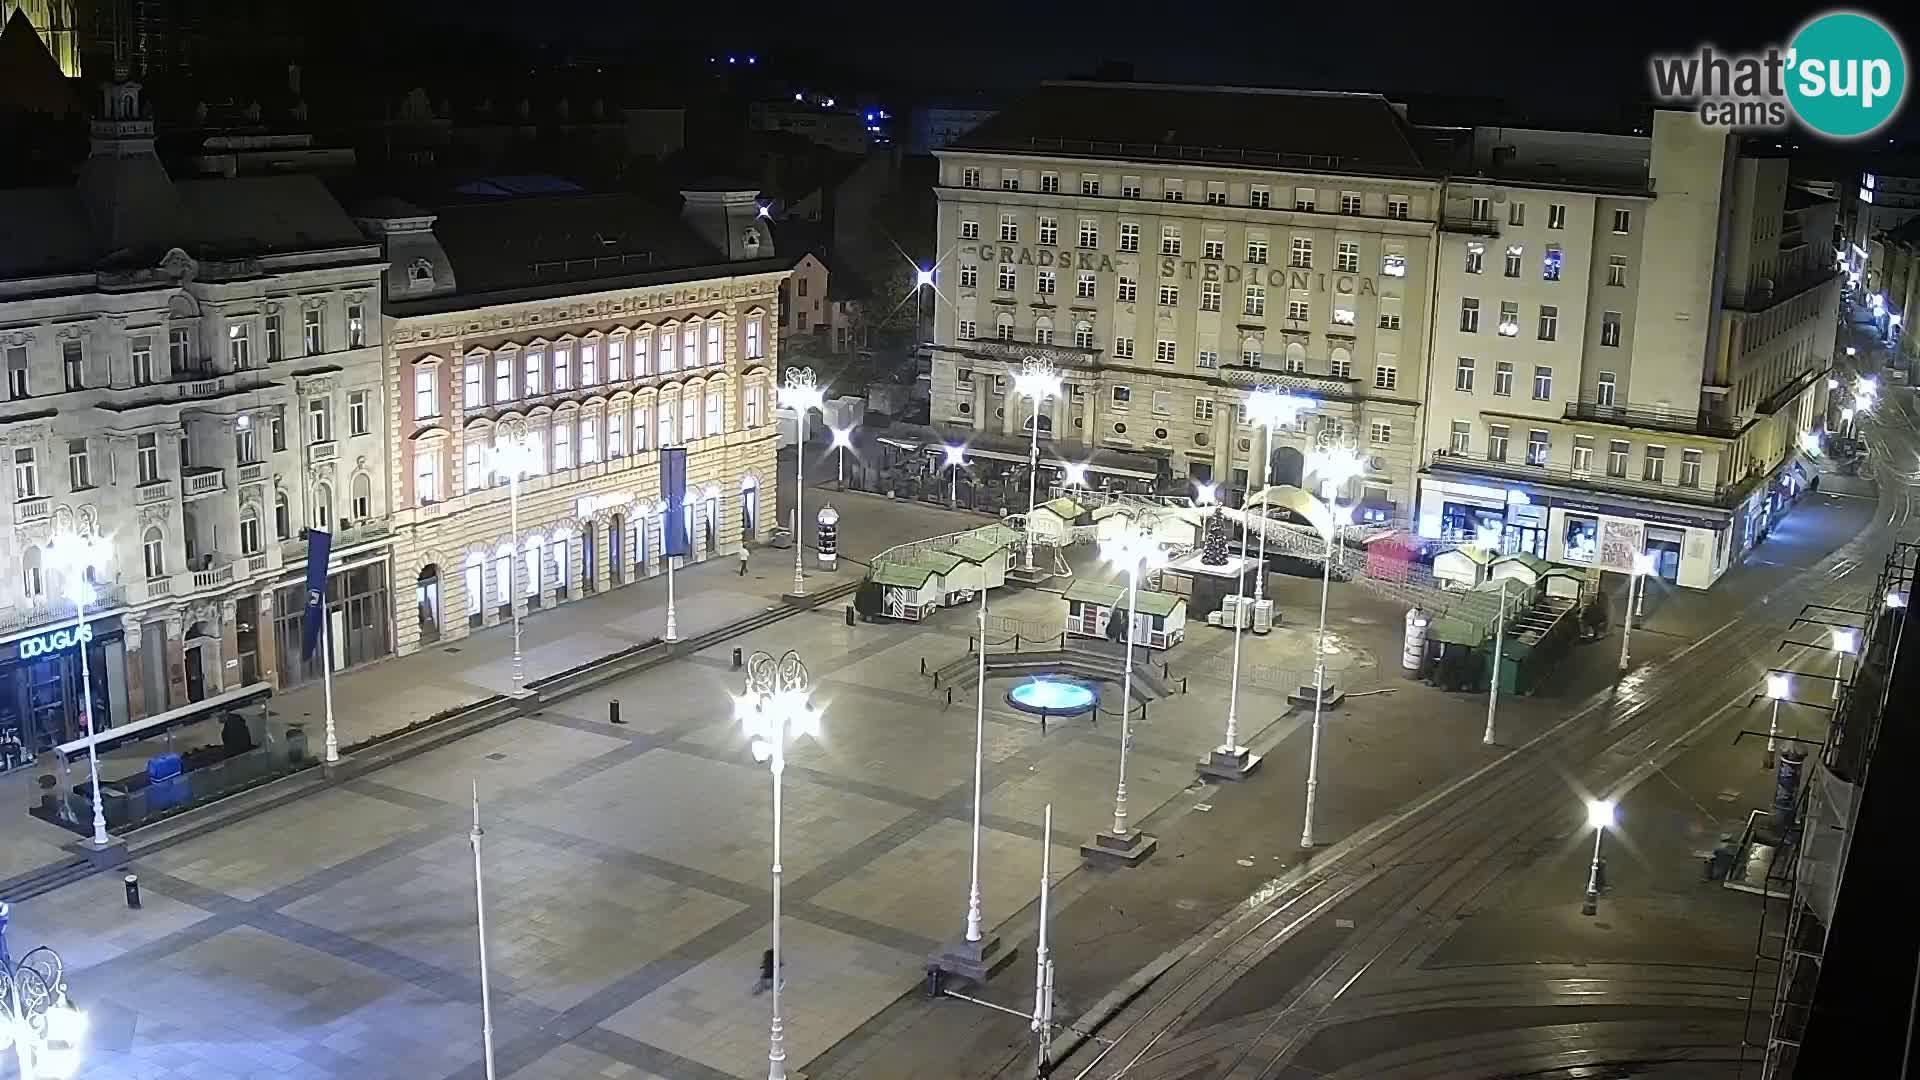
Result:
pixel 54 21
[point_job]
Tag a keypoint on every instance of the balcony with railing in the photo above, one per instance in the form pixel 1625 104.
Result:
pixel 253 472
pixel 199 481
pixel 153 491
pixel 1648 418
pixel 318 452
pixel 352 535
pixel 213 571
pixel 33 508
pixel 53 609
pixel 1455 222
pixel 1723 496
pixel 1769 293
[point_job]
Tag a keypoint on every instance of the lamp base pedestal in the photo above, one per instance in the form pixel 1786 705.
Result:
pixel 1229 763
pixel 102 858
pixel 1125 849
pixel 974 961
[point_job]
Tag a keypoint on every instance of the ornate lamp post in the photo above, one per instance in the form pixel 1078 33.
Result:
pixel 1844 642
pixel 800 394
pixel 1137 551
pixel 956 459
pixel 1600 816
pixel 1038 382
pixel 1270 407
pixel 75 557
pixel 513 453
pixel 36 1019
pixel 1335 464
pixel 842 438
pixel 774 709
pixel 1643 565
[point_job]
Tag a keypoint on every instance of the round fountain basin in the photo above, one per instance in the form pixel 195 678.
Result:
pixel 1053 696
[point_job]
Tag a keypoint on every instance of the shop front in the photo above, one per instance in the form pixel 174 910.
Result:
pixel 359 622
pixel 1458 513
pixel 1690 552
pixel 40 686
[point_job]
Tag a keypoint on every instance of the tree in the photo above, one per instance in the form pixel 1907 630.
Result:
pixel 1213 546
pixel 867 599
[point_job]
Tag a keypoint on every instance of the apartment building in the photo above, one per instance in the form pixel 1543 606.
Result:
pixel 1631 339
pixel 1170 249
pixel 193 374
pixel 591 331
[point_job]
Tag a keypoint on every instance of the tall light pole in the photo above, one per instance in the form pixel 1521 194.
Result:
pixel 45 1030
pixel 969 957
pixel 1779 687
pixel 1642 566
pixel 1038 382
pixel 1269 407
pixel 1493 685
pixel 1230 760
pixel 74 557
pixel 1137 551
pixel 1042 960
pixel 842 438
pixel 480 924
pixel 776 708
pixel 1076 476
pixel 1335 464
pixel 1844 642
pixel 800 394
pixel 513 453
pixel 956 458
pixel 1600 816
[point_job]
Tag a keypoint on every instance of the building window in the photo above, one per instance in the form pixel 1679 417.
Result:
pixel 1207 359
pixel 273 338
pixel 26 474
pixel 589 438
pixel 1389 320
pixel 1122 395
pixel 1549 322
pixel 1516 213
pixel 282 517
pixel 1123 348
pixel 1259 197
pixel 1129 187
pixel 1216 193
pixel 19 385
pixel 617 352
pixel 1385 376
pixel 1129 236
pixel 616 433
pixel 1214 250
pixel 1502 379
pixel 1514 255
pixel 1617 458
pixel 1497 442
pixel 1617 270
pixel 1582 454
pixel 1128 290
pixel 1655 464
pixel 473 391
pixel 1162 403
pixel 1622 219
pixel 179 352
pixel 310 335
pixel 1556 216
pixel 1050 183
pixel 1461 443
pixel 79 467
pixel 1550 265
pixel 1169 239
pixel 1165 352
pixel 1382 433
pixel 1009 180
pixel 1346 259
pixel 1482 208
pixel 1303 199
pixel 426 474
pixel 246 448
pixel 147 458
pixel 589 364
pixel 1082 335
pixel 562 368
pixel 1690 468
pixel 1043 332
pixel 1089 185
pixel 535 368
pixel 73 365
pixel 426 403
pixel 1610 329
pixel 1084 285
pixel 1393 264
pixel 969 230
pixel 476 472
pixel 1343 316
pixel 1009 229
pixel 1470 315
pixel 1009 279
pixel 1203 409
pixel 1463 375
pixel 357 413
pixel 1003 327
pixel 1049 232
pixel 969 276
pixel 143 374
pixel 1509 325
pixel 1209 296
pixel 154 554
pixel 969 329
pixel 1257 252
pixel 1173 191
pixel 1537 447
pixel 1169 295
pixel 250 541
pixel 1302 252
pixel 319 421
pixel 970 177
pixel 1350 202
pixel 1542 384
pixel 1603 390
pixel 1340 365
pixel 356 326
pixel 1089 233
pixel 562 442
pixel 1298 310
pixel 1256 301
pixel 1043 283
pixel 1398 207
pixel 1476 258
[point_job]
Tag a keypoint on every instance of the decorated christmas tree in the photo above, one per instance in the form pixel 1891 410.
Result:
pixel 1213 546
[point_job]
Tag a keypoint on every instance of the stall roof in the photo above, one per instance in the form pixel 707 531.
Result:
pixel 996 534
pixel 1108 594
pixel 941 562
pixel 902 575
pixel 1532 562
pixel 1064 507
pixel 1472 554
pixel 1101 513
pixel 976 549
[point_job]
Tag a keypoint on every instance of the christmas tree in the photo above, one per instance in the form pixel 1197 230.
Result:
pixel 1213 547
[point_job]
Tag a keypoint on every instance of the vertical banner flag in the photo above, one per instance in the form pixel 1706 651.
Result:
pixel 673 489
pixel 319 549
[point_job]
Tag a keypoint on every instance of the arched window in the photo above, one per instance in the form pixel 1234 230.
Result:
pixel 749 506
pixel 154 549
pixel 1046 424
pixel 1340 362
pixel 1296 358
pixel 322 506
pixel 363 494
pixel 35 577
pixel 1003 326
pixel 1043 331
pixel 1083 335
pixel 250 543
pixel 1251 349
pixel 282 517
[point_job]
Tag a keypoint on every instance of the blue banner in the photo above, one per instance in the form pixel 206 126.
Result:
pixel 319 549
pixel 673 490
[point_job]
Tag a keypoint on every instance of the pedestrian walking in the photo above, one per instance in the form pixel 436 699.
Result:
pixel 743 560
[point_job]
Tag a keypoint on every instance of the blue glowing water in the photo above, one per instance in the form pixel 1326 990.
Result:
pixel 1053 696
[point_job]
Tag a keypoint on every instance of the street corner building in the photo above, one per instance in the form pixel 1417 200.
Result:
pixel 581 333
pixel 193 374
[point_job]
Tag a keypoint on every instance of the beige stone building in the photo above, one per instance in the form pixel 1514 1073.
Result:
pixel 598 329
pixel 1169 248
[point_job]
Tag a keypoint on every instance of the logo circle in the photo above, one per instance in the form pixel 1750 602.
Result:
pixel 1848 75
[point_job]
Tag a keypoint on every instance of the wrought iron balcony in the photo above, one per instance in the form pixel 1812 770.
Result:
pixel 1466 223
pixel 1655 419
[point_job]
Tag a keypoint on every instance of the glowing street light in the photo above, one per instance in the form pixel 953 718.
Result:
pixel 1779 688
pixel 774 709
pixel 76 558
pixel 1038 381
pixel 1833 384
pixel 842 439
pixel 922 276
pixel 1844 642
pixel 512 454
pixel 1137 551
pixel 1643 565
pixel 36 1019
pixel 1340 516
pixel 800 393
pixel 1206 494
pixel 1600 817
pixel 1269 407
pixel 1896 598
pixel 956 456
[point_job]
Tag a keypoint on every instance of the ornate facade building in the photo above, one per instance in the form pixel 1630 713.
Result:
pixel 193 373
pixel 585 332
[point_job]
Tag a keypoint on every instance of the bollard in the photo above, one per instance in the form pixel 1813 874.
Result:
pixel 1183 684
pixel 613 711
pixel 935 981
pixel 923 665
pixel 736 660
pixel 949 695
pixel 936 680
pixel 849 614
pixel 133 891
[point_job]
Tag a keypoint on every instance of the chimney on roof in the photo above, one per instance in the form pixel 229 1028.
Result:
pixel 730 219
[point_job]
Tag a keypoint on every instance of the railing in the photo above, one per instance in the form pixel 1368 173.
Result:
pixel 160 586
pixel 1464 223
pixel 219 575
pixel 105 598
pixel 253 472
pixel 206 387
pixel 257 564
pixel 1242 375
pixel 1640 416
pixel 322 451
pixel 153 491
pixel 203 481
pixel 36 508
pixel 1016 351
pixel 1723 495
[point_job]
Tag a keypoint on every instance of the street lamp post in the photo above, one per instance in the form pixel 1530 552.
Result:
pixel 1844 642
pixel 1038 382
pixel 480 924
pixel 1779 687
pixel 514 454
pixel 1335 465
pixel 1137 551
pixel 774 709
pixel 1269 407
pixel 1076 477
pixel 970 956
pixel 842 438
pixel 1642 566
pixel 1499 641
pixel 1600 816
pixel 956 457
pixel 42 1026
pixel 800 393
pixel 75 557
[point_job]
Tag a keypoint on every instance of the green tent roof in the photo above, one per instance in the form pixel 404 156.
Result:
pixel 1108 594
pixel 974 549
pixel 902 575
pixel 1532 562
pixel 1064 507
pixel 996 534
pixel 940 562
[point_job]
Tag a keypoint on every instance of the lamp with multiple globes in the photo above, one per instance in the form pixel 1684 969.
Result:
pixel 1269 407
pixel 1600 817
pixel 75 558
pixel 801 394
pixel 1037 382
